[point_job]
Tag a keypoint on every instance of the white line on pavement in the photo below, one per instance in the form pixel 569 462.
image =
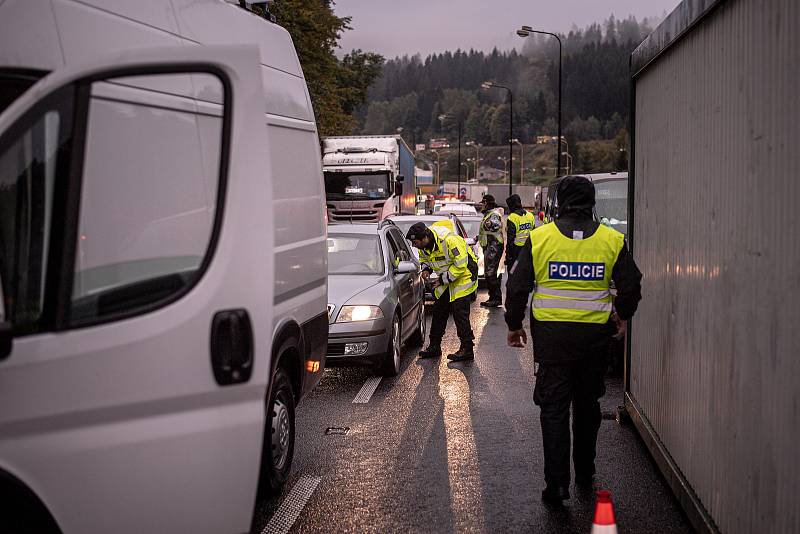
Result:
pixel 290 508
pixel 367 390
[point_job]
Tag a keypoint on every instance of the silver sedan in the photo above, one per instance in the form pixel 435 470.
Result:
pixel 375 296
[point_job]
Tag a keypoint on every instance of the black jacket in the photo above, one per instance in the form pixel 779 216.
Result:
pixel 511 234
pixel 555 342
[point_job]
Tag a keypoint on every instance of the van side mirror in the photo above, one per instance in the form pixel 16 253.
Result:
pixel 6 340
pixel 398 189
pixel 400 178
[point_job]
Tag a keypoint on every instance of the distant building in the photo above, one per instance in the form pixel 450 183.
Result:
pixel 438 143
pixel 490 174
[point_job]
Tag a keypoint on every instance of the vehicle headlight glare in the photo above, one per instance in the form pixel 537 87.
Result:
pixel 350 314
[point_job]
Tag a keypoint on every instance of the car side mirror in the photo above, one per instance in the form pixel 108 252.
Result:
pixel 6 340
pixel 399 178
pixel 470 241
pixel 406 267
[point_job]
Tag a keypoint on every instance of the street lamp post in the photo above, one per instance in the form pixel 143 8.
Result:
pixel 477 158
pixel 569 161
pixel 521 159
pixel 525 31
pixel 487 85
pixel 438 167
pixel 442 118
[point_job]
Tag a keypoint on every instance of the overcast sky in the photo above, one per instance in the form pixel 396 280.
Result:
pixel 399 27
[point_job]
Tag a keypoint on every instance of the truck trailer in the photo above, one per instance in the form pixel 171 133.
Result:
pixel 368 177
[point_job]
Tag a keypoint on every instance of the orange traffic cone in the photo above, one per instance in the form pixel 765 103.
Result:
pixel 604 522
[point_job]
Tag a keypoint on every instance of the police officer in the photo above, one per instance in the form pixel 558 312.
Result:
pixel 446 254
pixel 520 224
pixel 571 263
pixel 491 240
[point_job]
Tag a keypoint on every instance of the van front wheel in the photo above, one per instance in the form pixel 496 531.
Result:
pixel 279 437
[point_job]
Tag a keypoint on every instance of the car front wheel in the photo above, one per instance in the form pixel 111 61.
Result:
pixel 391 360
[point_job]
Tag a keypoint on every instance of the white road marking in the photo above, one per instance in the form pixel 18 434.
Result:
pixel 290 508
pixel 367 390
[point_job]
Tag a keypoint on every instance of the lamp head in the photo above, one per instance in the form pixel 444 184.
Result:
pixel 486 85
pixel 523 33
pixel 527 28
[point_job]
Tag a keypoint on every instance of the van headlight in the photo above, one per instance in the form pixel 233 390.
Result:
pixel 349 314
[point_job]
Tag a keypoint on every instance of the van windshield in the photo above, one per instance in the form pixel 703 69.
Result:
pixel 357 185
pixel 611 206
pixel 13 84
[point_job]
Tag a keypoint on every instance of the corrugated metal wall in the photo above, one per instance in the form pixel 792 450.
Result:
pixel 715 355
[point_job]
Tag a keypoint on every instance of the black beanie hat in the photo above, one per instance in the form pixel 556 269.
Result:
pixel 417 231
pixel 575 193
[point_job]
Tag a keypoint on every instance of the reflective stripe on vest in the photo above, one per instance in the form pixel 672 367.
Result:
pixel 483 235
pixel 523 224
pixel 573 276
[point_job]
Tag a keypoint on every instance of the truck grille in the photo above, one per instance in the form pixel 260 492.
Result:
pixel 356 212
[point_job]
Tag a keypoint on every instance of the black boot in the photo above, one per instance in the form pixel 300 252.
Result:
pixel 555 494
pixel 433 351
pixel 492 303
pixel 465 352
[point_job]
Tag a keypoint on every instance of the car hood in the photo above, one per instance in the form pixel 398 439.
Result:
pixel 344 287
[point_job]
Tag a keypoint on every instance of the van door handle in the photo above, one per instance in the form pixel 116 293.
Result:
pixel 231 347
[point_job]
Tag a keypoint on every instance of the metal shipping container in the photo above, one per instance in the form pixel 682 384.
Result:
pixel 713 371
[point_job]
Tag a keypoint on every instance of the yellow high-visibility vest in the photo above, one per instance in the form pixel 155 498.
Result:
pixel 573 276
pixel 449 259
pixel 523 225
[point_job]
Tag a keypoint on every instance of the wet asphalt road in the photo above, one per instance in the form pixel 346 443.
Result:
pixel 456 447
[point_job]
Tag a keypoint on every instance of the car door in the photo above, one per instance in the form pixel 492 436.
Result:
pixel 418 283
pixel 135 267
pixel 403 282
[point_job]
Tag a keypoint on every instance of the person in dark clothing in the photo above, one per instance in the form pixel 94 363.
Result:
pixel 491 241
pixel 520 224
pixel 572 320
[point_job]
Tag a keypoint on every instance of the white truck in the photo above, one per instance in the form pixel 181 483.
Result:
pixel 368 177
pixel 162 309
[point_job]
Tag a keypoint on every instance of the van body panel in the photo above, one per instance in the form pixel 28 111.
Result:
pixel 111 424
pixel 28 35
pixel 289 199
pixel 200 21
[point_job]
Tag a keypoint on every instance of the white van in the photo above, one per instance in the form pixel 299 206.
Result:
pixel 162 264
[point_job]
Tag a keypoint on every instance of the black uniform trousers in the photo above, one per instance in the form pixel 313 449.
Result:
pixel 579 383
pixel 442 309
pixel 492 253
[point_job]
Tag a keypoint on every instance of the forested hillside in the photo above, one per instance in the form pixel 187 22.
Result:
pixel 412 92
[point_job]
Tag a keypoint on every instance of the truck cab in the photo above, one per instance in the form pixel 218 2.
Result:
pixel 367 178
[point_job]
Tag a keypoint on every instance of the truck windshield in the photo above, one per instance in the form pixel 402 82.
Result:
pixel 611 206
pixel 356 185
pixel 13 84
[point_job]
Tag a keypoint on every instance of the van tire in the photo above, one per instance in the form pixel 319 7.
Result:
pixel 390 366
pixel 278 446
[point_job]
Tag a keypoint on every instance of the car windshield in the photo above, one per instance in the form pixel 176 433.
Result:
pixel 354 254
pixel 611 199
pixel 356 185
